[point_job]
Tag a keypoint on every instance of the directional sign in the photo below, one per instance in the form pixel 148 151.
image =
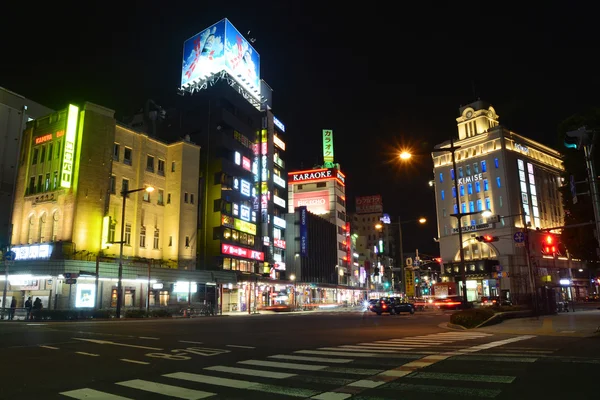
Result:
pixel 69 275
pixel 519 237
pixel 70 281
pixel 10 256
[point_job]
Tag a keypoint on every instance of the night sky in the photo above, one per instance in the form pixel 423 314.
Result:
pixel 380 77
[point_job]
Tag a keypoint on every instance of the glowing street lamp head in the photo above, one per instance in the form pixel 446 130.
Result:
pixel 149 189
pixel 405 155
pixel 292 277
pixel 378 226
pixel 486 214
pixel 422 220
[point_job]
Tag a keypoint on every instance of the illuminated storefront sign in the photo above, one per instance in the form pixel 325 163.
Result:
pixel 328 145
pixel 246 164
pixel 244 226
pixel 521 148
pixel 244 187
pixel 280 266
pixel 469 179
pixel 278 180
pixel 43 139
pixel 473 228
pixel 280 222
pixel 279 201
pixel 316 175
pixel 85 296
pixel 315 202
pixel 369 204
pixel 280 243
pixel 185 287
pixel 230 250
pixel 303 232
pixel 245 213
pixel 69 150
pixel 279 143
pixel 279 124
pixel 237 158
pixel 32 252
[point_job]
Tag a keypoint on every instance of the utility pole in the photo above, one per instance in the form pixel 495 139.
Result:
pixel 461 251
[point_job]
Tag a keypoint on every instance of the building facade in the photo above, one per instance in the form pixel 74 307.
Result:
pixel 515 178
pixel 74 166
pixel 15 112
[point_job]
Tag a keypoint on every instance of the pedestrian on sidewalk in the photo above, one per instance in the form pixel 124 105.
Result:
pixel 13 306
pixel 28 305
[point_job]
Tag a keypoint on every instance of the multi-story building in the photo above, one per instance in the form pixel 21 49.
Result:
pixel 323 192
pixel 74 167
pixel 15 112
pixel 514 177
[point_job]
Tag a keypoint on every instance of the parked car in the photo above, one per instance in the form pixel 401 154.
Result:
pixel 392 305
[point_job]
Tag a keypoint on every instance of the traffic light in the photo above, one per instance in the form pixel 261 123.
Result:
pixel 577 138
pixel 487 238
pixel 549 245
pixel 386 285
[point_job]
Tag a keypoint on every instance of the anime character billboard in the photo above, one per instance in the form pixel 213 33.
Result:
pixel 217 48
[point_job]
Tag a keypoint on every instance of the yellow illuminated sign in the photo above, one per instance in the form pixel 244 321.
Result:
pixel 69 150
pixel 244 226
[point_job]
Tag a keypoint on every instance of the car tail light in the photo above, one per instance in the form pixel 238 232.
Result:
pixel 384 306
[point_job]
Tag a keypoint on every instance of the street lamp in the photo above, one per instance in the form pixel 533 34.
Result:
pixel 379 226
pixel 405 155
pixel 124 193
pixel 293 279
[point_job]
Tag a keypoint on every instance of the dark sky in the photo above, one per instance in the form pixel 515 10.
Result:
pixel 379 77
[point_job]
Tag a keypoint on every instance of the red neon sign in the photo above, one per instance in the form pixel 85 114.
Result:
pixel 230 250
pixel 43 138
pixel 279 243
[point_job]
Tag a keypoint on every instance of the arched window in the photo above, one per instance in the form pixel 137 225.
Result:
pixel 30 231
pixel 42 228
pixel 54 236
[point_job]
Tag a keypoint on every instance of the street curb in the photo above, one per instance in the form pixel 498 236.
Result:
pixel 455 327
pixel 501 316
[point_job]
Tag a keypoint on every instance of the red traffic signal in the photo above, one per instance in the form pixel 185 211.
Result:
pixel 487 238
pixel 549 245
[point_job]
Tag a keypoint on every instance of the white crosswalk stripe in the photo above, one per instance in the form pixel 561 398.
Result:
pixel 323 373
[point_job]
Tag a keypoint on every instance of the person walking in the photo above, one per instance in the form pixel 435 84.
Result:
pixel 13 306
pixel 28 305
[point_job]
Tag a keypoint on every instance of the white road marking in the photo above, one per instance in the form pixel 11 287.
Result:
pixel 250 372
pixel 275 364
pixel 167 390
pixel 388 344
pixel 188 341
pixel 37 324
pixel 117 344
pixel 314 359
pixel 87 354
pixel 134 361
pixel 464 377
pixel 332 396
pixel 239 346
pixel 366 383
pixel 91 394
pixel 338 353
pixel 149 338
pixel 358 348
pixel 49 347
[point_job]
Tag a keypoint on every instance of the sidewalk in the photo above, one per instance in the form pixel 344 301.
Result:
pixel 577 324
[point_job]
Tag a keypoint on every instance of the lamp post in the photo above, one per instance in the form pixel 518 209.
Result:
pixel 124 193
pixel 293 279
pixel 379 226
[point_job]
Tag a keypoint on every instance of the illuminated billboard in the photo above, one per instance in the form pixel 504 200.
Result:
pixel 316 175
pixel 221 47
pixel 231 250
pixel 315 202
pixel 328 145
pixel 369 204
pixel 68 160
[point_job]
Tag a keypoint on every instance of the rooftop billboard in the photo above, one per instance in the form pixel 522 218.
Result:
pixel 221 47
pixel 369 204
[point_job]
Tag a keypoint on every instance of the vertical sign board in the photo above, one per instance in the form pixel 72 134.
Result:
pixel 68 160
pixel 303 232
pixel 409 279
pixel 328 145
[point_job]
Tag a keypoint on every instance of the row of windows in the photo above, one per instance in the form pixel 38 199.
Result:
pixel 150 160
pixel 477 185
pixel 232 235
pixel 187 197
pixel 143 234
pixel 44 183
pixel 467 171
pixel 46 153
pixel 319 185
pixel 238 265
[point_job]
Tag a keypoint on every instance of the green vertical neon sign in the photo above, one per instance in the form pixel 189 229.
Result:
pixel 328 145
pixel 66 173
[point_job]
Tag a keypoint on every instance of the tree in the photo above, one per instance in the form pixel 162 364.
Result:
pixel 580 241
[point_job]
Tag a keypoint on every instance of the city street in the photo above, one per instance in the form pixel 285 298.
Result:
pixel 320 355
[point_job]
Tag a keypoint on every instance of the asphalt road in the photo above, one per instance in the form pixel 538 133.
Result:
pixel 328 356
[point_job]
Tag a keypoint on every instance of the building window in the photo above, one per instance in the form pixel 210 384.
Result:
pixel 496 163
pixel 50 152
pixel 488 204
pixel 170 241
pixel 473 222
pixel 486 187
pixel 476 167
pixel 39 184
pixel 127 156
pixel 146 197
pixel 321 184
pixel 479 205
pixel 30 230
pixel 47 183
pixel 452 174
pixel 499 201
pixel 124 186
pixel 168 198
pixel 470 188
pixel 161 197
pixel 185 197
pixel 453 192
pixel 471 206
pixel 161 167
pixel 483 166
pixel 32 185
pixel 444 212
pixel 116 149
pixel 477 187
pixel 54 236
pixel 150 163
pixel 156 239
pixel 443 196
pixel 192 198
pixel 468 170
pixel 462 190
pixel 299 187
pixel 460 172
pixel 58 148
pixel 111 232
pixel 173 166
pixel 42 228
pixel 441 177
pixel 498 182
pixel 34 159
pixel 112 186
pixel 463 207
pixel 455 209
pixel 127 239
pixel 143 237
pixel 43 154
pixel 187 241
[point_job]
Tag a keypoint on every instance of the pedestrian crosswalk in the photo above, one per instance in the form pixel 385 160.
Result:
pixel 383 369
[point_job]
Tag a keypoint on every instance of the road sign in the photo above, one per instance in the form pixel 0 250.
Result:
pixel 10 256
pixel 69 275
pixel 70 281
pixel 519 237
